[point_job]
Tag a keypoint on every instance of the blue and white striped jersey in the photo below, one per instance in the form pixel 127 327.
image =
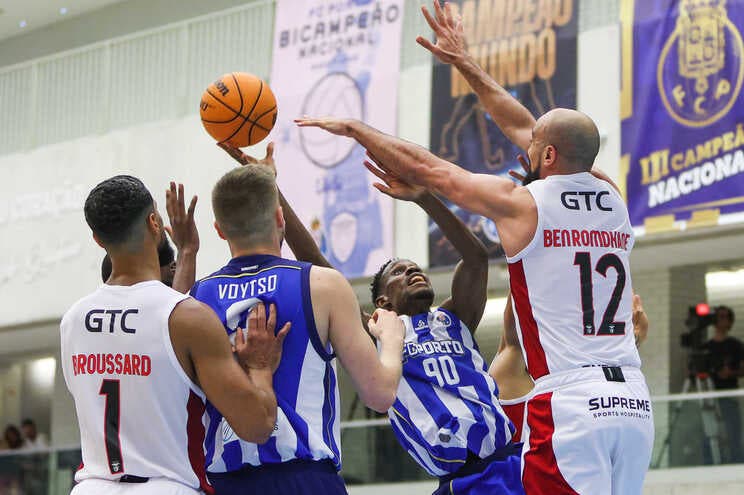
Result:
pixel 305 383
pixel 447 403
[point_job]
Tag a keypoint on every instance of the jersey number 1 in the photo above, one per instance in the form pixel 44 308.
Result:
pixel 110 388
pixel 608 325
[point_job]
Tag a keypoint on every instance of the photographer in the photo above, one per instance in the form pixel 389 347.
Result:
pixel 726 360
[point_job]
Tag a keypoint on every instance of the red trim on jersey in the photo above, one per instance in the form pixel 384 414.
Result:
pixel 537 364
pixel 515 413
pixel 195 432
pixel 541 474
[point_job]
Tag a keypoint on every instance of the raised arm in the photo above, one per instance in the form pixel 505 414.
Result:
pixel 470 280
pixel 487 195
pixel 298 238
pixel 513 118
pixel 244 395
pixel 375 376
pixel 508 368
pixel 185 236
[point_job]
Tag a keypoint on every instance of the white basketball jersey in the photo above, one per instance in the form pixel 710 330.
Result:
pixel 571 285
pixel 139 413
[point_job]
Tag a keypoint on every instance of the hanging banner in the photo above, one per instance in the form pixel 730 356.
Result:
pixel 527 46
pixel 339 59
pixel 682 110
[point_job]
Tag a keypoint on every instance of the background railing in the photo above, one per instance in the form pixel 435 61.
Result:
pixel 692 423
pixel 159 74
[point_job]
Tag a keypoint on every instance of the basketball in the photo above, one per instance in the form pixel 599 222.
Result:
pixel 238 109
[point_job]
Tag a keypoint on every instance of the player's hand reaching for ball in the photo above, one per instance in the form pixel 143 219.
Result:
pixel 385 325
pixel 244 159
pixel 450 46
pixel 337 126
pixel 391 185
pixel 262 349
pixel 182 228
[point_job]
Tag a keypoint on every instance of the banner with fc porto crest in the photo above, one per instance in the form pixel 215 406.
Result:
pixel 682 110
pixel 336 58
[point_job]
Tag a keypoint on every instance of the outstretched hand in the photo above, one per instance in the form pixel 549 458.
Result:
pixel 337 126
pixel 450 43
pixel 261 348
pixel 392 185
pixel 525 166
pixel 244 159
pixel 182 229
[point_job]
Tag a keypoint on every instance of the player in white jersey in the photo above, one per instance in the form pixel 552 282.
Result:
pixel 567 239
pixel 509 370
pixel 139 359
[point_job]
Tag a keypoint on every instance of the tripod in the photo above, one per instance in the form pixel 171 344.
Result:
pixel 708 414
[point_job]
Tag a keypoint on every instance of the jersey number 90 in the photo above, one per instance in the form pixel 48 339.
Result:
pixel 443 369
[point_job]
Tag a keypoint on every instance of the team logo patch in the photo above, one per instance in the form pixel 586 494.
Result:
pixel 443 318
pixel 701 67
pixel 228 435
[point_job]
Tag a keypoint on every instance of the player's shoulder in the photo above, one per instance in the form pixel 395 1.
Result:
pixel 78 305
pixel 190 312
pixel 326 276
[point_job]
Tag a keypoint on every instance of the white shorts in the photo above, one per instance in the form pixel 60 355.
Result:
pixel 587 435
pixel 155 486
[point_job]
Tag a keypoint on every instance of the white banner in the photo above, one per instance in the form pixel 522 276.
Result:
pixel 336 58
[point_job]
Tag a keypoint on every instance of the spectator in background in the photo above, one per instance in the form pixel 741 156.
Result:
pixel 726 360
pixel 32 438
pixel 13 438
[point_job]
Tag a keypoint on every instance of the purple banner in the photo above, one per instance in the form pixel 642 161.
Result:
pixel 682 108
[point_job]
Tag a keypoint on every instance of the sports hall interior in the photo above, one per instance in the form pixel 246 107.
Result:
pixel 113 85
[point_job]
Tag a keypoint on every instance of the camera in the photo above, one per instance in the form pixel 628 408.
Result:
pixel 699 317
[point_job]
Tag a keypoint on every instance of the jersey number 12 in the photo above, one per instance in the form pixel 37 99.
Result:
pixel 608 325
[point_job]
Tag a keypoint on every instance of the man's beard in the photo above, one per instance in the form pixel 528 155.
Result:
pixel 532 175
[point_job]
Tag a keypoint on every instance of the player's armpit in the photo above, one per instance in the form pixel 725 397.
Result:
pixel 203 349
pixel 375 377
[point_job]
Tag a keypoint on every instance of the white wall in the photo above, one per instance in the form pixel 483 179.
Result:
pixel 54 260
pixel 108 22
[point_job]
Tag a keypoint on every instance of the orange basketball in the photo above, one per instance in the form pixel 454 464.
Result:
pixel 238 109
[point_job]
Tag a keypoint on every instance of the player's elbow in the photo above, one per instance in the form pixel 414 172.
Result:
pixel 257 432
pixel 381 401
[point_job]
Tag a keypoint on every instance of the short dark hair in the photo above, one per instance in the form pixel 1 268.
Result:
pixel 28 422
pixel 115 208
pixel 106 267
pixel 166 255
pixel 730 312
pixel 375 287
pixel 243 201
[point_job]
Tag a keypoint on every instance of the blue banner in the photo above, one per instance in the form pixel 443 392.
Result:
pixel 682 109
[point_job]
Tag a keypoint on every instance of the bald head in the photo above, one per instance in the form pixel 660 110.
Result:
pixel 574 135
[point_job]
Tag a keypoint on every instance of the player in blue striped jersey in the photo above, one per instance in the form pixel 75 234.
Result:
pixel 303 454
pixel 446 412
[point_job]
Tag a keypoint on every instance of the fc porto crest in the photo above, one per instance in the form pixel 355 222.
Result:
pixel 442 318
pixel 700 70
